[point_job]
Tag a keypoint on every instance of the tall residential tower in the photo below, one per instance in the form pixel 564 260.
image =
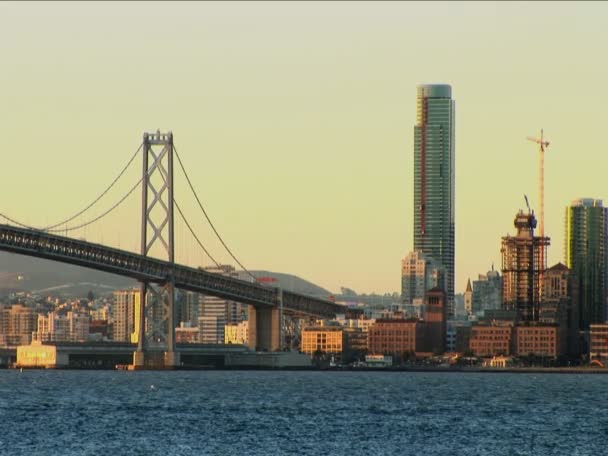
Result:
pixel 434 179
pixel 585 255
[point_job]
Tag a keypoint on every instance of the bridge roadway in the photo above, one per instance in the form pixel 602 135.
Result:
pixel 40 244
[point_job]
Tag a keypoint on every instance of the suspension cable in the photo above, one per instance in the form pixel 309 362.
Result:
pixel 207 217
pixel 99 217
pixel 194 234
pixel 48 228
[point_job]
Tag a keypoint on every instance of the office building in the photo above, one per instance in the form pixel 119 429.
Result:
pixel 396 337
pixel 521 268
pixel 213 313
pixel 125 314
pixel 420 273
pixel 17 323
pixel 434 155
pixel 598 343
pixel 585 255
pixel 323 339
pixel 487 292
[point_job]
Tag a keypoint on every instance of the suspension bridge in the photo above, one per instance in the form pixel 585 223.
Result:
pixel 159 276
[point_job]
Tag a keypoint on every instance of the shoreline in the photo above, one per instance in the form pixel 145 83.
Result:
pixel 465 370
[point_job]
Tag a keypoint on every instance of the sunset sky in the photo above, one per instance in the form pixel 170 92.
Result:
pixel 296 122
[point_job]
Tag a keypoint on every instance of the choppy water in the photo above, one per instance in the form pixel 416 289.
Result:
pixel 301 413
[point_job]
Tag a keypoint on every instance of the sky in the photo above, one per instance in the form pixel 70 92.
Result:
pixel 295 122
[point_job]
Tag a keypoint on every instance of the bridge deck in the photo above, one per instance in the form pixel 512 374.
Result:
pixel 96 256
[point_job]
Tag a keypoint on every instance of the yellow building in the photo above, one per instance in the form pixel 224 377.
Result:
pixel 327 339
pixel 237 333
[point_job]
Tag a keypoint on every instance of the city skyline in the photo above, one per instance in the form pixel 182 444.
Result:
pixel 333 86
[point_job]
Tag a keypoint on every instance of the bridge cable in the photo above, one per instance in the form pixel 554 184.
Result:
pixel 50 227
pixel 194 234
pixel 207 216
pixel 99 217
pixel 101 195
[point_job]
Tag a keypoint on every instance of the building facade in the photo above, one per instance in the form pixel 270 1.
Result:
pixel 598 342
pixel 434 159
pixel 395 337
pixel 586 254
pixel 124 309
pixel 213 313
pixel 237 333
pixel 325 339
pixel 487 292
pixel 491 340
pixel 521 268
pixel 420 273
pixel 538 340
pixel 17 323
pixel 435 321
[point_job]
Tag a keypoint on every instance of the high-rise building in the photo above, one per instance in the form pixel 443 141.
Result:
pixel 521 268
pixel 419 274
pixel 73 327
pixel 487 292
pixel 585 255
pixel 213 313
pixel 124 318
pixel 434 179
pixel 17 323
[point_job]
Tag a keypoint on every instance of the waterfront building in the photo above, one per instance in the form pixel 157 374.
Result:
pixel 487 292
pixel 560 305
pixel 186 334
pixel 521 268
pixel 324 339
pixel 586 254
pixel 598 342
pixel 237 333
pixel 17 323
pixel 538 340
pixel 420 273
pixel 435 320
pixel 457 339
pixel 397 337
pixel 434 178
pixel 491 339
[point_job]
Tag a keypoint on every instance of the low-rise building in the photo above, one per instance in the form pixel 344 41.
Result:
pixel 396 337
pixel 237 333
pixel 598 342
pixel 538 340
pixel 491 340
pixel 325 339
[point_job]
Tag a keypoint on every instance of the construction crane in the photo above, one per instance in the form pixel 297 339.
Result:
pixel 542 145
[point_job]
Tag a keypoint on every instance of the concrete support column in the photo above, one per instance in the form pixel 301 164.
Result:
pixel 252 341
pixel 268 329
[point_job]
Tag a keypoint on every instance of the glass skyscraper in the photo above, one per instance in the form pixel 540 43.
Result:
pixel 585 255
pixel 434 179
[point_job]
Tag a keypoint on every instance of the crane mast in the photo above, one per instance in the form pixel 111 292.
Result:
pixel 543 144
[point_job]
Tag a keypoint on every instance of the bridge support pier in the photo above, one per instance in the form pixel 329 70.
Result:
pixel 264 329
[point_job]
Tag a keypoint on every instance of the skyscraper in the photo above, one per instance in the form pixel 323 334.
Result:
pixel 434 179
pixel 585 255
pixel 521 267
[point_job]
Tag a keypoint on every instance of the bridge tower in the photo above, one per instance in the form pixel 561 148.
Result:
pixel 155 316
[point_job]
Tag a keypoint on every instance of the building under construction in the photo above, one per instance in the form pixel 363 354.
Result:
pixel 523 263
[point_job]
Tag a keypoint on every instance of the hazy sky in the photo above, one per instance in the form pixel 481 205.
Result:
pixel 296 121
